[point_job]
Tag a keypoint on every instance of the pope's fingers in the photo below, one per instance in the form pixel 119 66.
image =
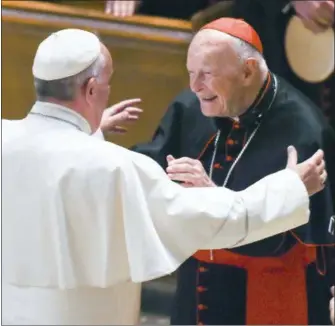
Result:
pixel 129 102
pixel 317 157
pixel 132 118
pixel 129 117
pixel 321 167
pixel 122 117
pixel 117 118
pixel 125 104
pixel 323 177
pixel 133 110
pixel 109 111
pixel 292 157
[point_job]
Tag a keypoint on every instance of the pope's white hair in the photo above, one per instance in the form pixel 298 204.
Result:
pixel 94 70
pixel 65 89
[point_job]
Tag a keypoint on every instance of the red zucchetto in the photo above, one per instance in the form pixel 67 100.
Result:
pixel 237 28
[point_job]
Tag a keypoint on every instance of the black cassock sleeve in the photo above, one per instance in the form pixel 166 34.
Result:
pixel 166 139
pixel 322 205
pixel 320 228
pixel 300 123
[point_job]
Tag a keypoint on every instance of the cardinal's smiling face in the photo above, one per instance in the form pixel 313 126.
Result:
pixel 218 75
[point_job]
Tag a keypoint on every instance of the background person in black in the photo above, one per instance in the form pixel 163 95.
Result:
pixel 178 9
pixel 210 291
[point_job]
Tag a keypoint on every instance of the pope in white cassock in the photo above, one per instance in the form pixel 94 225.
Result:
pixel 85 221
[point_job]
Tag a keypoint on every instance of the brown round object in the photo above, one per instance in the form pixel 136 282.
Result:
pixel 310 55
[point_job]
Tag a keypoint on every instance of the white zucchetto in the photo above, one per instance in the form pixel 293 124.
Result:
pixel 65 53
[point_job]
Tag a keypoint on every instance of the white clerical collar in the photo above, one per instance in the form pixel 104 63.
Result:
pixel 61 113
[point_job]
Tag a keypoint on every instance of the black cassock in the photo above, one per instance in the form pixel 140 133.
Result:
pixel 284 279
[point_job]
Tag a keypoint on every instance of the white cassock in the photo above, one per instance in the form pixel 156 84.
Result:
pixel 82 218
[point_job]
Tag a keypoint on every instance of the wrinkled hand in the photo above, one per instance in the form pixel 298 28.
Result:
pixel 188 171
pixel 120 113
pixel 317 16
pixel 332 305
pixel 121 8
pixel 312 172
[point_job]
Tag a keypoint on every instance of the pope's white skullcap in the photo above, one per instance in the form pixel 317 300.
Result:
pixel 65 53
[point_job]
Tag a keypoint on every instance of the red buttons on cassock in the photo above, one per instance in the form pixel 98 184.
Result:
pixel 230 142
pixel 201 289
pixel 202 307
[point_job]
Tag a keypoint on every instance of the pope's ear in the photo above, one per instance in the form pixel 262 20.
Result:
pixel 90 86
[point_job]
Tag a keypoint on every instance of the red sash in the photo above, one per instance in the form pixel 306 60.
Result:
pixel 276 286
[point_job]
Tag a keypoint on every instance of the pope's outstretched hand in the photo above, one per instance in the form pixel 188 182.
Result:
pixel 312 172
pixel 117 115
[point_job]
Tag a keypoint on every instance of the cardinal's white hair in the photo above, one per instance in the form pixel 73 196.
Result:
pixel 245 51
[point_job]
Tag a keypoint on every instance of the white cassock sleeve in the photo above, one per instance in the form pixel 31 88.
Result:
pixel 106 215
pixel 166 223
pixel 98 134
